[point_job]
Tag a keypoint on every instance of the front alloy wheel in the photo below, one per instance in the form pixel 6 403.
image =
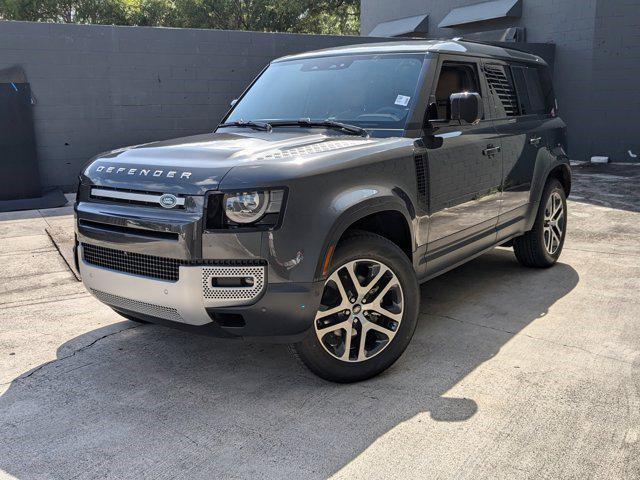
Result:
pixel 367 314
pixel 361 310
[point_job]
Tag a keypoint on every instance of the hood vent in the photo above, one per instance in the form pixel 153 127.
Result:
pixel 312 149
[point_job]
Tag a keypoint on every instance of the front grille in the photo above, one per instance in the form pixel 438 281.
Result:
pixel 132 197
pixel 148 265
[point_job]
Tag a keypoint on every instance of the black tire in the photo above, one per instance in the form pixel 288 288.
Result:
pixel 530 248
pixel 364 245
pixel 129 317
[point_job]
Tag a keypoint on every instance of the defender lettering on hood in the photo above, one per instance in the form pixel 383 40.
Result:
pixel 143 172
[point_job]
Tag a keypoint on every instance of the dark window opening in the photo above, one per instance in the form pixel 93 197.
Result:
pixel 454 78
pixel 531 98
pixel 548 95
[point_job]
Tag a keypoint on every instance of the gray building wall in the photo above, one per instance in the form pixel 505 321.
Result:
pixel 101 87
pixel 597 61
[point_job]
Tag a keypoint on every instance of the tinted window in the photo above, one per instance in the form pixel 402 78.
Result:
pixel 547 89
pixel 502 90
pixel 534 90
pixel 365 90
pixel 531 99
pixel 453 78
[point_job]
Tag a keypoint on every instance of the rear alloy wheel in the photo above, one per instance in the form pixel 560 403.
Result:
pixel 367 314
pixel 542 245
pixel 553 226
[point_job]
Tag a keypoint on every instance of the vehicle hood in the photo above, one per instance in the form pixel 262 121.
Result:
pixel 193 165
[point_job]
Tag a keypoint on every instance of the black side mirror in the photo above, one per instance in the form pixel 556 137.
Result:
pixel 466 106
pixel 233 102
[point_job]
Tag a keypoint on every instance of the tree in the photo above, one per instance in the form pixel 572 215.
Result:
pixel 301 16
pixel 67 11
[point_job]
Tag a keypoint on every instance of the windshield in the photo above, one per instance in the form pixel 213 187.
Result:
pixel 370 91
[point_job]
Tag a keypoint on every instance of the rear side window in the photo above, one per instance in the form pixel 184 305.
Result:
pixel 502 89
pixel 531 99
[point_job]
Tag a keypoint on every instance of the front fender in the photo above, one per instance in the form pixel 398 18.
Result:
pixel 354 205
pixel 295 252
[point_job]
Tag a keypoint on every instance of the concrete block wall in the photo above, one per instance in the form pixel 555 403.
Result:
pixel 615 99
pixel 597 61
pixel 97 88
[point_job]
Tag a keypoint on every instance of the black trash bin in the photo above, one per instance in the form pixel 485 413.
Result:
pixel 20 187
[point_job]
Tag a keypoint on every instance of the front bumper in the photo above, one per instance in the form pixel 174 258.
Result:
pixel 279 311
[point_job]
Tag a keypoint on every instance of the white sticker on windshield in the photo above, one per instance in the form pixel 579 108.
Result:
pixel 402 100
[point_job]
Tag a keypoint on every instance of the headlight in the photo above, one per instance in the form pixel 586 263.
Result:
pixel 252 206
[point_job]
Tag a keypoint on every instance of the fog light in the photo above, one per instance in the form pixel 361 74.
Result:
pixel 232 282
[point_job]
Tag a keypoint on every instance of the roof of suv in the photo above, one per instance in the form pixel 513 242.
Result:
pixel 458 47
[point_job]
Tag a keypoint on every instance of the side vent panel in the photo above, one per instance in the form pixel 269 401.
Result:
pixel 501 85
pixel 422 173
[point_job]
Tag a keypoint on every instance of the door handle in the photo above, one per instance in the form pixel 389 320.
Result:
pixel 535 141
pixel 490 150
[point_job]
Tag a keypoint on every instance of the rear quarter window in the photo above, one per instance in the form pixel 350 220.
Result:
pixel 532 99
pixel 520 90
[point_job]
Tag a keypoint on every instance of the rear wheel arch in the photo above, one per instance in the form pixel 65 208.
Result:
pixel 559 171
pixel 563 174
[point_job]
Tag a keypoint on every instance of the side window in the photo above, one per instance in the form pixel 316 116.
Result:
pixel 547 90
pixel 454 78
pixel 534 89
pixel 502 90
pixel 530 96
pixel 521 90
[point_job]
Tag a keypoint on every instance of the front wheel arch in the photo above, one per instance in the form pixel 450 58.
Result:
pixel 364 217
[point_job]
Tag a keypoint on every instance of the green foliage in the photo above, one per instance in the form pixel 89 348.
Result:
pixel 301 16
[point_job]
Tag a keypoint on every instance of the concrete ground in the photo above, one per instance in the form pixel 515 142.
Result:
pixel 512 373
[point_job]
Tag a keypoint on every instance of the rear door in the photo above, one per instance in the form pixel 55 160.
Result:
pixel 518 111
pixel 464 169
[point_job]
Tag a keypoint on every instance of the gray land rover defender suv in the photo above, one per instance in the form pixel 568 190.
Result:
pixel 338 182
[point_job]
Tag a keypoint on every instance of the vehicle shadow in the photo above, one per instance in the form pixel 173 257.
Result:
pixel 150 402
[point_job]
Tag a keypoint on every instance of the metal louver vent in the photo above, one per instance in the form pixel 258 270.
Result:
pixel 500 83
pixel 422 172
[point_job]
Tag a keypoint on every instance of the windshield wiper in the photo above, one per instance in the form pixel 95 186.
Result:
pixel 306 122
pixel 248 123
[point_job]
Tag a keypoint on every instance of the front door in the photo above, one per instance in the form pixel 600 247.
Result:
pixel 464 170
